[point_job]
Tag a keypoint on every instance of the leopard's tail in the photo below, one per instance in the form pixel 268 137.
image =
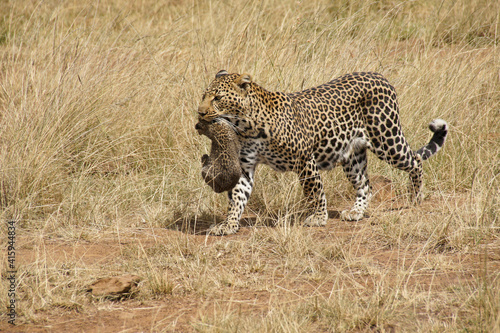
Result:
pixel 440 129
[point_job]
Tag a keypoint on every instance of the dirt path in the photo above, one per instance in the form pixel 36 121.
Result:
pixel 362 263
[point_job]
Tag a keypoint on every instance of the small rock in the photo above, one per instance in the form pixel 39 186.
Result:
pixel 114 286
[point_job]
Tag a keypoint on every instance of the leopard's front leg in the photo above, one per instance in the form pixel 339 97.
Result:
pixel 312 186
pixel 238 198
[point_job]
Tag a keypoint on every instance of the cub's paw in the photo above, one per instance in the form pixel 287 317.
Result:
pixel 223 229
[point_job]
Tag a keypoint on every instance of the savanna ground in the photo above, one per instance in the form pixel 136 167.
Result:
pixel 100 168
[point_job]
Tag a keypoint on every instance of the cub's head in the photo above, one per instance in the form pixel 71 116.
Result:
pixel 226 97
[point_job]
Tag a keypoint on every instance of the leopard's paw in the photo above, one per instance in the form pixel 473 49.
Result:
pixel 223 229
pixel 351 215
pixel 316 220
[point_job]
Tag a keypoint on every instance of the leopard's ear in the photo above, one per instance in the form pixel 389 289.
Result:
pixel 243 80
pixel 221 73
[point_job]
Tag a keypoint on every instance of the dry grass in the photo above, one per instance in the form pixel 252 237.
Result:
pixel 99 166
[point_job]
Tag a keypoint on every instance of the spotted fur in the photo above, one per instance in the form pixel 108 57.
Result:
pixel 221 170
pixel 311 130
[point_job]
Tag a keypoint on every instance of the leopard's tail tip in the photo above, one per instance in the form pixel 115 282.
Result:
pixel 440 129
pixel 438 125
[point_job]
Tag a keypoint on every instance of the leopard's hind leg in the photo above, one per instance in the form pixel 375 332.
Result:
pixel 354 165
pixel 312 186
pixel 396 151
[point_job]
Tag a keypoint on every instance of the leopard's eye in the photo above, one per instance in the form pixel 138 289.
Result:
pixel 218 98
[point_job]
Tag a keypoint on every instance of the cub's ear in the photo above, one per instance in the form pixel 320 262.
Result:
pixel 243 80
pixel 220 73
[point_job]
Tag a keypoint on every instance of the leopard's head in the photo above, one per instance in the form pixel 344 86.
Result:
pixel 226 98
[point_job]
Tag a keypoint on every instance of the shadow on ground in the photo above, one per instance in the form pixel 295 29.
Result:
pixel 199 225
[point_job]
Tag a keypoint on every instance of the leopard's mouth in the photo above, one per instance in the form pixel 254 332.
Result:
pixel 213 119
pixel 204 122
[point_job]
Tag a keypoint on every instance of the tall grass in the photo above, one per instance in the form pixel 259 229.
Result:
pixel 98 104
pixel 98 99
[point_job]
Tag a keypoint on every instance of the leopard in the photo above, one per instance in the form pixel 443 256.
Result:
pixel 221 170
pixel 316 129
